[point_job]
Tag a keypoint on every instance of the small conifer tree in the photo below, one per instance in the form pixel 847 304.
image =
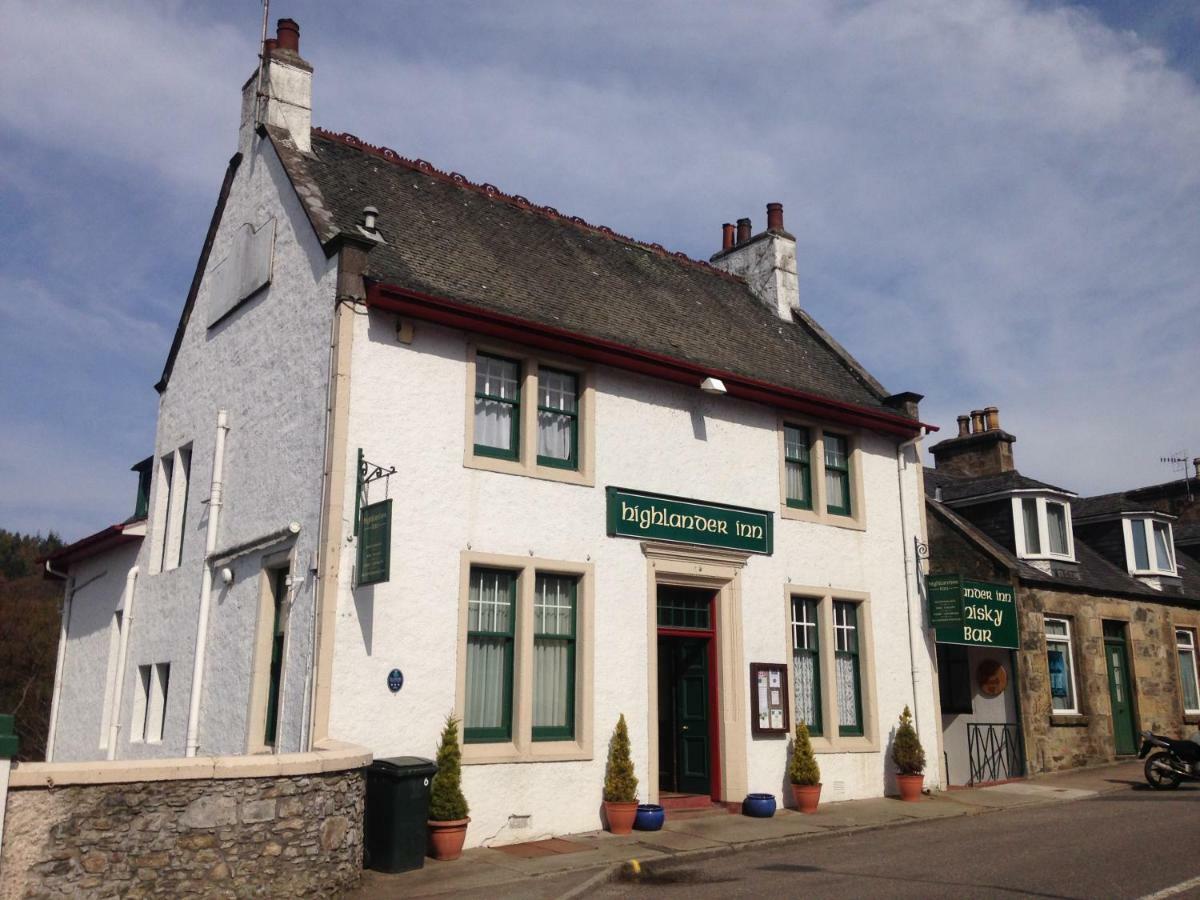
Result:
pixel 620 785
pixel 802 767
pixel 446 800
pixel 907 752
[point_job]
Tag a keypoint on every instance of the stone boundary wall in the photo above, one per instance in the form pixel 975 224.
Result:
pixel 287 825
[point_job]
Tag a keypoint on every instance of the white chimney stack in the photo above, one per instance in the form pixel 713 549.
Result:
pixel 767 261
pixel 283 94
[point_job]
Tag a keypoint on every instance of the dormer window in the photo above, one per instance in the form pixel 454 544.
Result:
pixel 1043 528
pixel 1148 547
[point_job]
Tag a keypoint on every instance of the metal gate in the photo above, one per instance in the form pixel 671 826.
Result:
pixel 994 750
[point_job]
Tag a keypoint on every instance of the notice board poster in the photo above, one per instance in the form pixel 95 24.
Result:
pixel 374 542
pixel 768 698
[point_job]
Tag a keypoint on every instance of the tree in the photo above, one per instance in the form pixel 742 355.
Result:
pixel 803 768
pixel 446 800
pixel 907 753
pixel 620 785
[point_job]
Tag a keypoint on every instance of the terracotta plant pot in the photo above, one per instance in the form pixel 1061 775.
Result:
pixel 620 816
pixel 910 787
pixel 446 838
pixel 807 796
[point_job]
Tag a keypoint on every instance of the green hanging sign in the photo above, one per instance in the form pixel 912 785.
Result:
pixel 374 542
pixel 987 612
pixel 661 518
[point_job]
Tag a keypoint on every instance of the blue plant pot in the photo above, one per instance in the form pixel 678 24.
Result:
pixel 759 806
pixel 650 817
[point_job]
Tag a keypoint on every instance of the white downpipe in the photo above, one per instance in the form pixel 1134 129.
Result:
pixel 210 545
pixel 909 572
pixel 62 656
pixel 114 717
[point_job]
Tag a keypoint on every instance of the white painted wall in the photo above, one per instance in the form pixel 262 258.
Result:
pixel 407 410
pixel 267 364
pixel 985 710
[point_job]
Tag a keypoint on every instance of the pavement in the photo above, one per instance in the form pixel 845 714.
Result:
pixel 579 864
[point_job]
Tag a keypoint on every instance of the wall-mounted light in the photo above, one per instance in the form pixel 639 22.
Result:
pixel 227 575
pixel 712 385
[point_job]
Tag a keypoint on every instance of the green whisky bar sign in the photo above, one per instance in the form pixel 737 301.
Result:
pixel 658 517
pixel 975 613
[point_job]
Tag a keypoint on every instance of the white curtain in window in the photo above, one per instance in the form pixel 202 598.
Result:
pixel 1056 521
pixel 554 435
pixel 550 660
pixel 556 391
pixel 797 484
pixel 1033 541
pixel 847 689
pixel 485 683
pixel 804 684
pixel 493 424
pixel 493 419
pixel 1187 674
pixel 835 489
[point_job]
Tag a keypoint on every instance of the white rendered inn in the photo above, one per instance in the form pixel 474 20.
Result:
pixel 547 474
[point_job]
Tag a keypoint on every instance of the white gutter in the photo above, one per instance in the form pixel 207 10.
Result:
pixel 210 544
pixel 65 618
pixel 909 571
pixel 114 717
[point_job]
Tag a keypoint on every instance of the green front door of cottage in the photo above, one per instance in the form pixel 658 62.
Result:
pixel 1117 661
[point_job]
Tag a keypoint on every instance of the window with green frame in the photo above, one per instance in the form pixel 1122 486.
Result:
pixel 558 419
pixel 849 673
pixel 806 663
pixel 497 406
pixel 554 624
pixel 797 462
pixel 491 617
pixel 837 474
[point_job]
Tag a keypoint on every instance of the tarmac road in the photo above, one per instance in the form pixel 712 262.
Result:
pixel 1128 844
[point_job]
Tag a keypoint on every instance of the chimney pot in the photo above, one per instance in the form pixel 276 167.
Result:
pixel 992 415
pixel 726 235
pixel 964 426
pixel 370 215
pixel 269 45
pixel 774 217
pixel 1196 466
pixel 977 421
pixel 743 230
pixel 288 35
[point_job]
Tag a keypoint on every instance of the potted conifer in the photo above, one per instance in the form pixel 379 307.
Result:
pixel 909 758
pixel 620 785
pixel 447 805
pixel 803 772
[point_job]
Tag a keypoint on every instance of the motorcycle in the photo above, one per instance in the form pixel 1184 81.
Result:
pixel 1171 762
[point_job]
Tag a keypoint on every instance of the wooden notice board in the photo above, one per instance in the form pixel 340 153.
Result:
pixel 769 698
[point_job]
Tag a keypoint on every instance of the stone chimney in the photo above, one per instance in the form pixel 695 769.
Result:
pixel 284 97
pixel 981 446
pixel 767 261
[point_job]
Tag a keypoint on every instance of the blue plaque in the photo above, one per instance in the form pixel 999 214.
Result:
pixel 395 680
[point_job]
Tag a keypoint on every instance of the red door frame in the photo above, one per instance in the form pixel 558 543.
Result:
pixel 714 706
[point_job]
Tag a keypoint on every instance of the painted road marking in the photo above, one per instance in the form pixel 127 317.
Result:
pixel 1174 889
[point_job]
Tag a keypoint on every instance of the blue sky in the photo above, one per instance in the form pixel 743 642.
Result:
pixel 995 201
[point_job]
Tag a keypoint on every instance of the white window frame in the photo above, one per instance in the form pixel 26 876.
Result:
pixel 170 509
pixel 522 747
pixel 1189 647
pixel 1043 521
pixel 1068 640
pixel 1149 523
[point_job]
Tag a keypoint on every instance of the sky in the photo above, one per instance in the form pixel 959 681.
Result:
pixel 995 201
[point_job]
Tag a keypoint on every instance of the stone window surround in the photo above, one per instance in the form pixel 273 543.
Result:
pixel 1151 550
pixel 526 462
pixel 522 747
pixel 858 511
pixel 832 741
pixel 1042 499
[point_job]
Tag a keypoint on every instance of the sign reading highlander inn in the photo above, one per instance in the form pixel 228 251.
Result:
pixel 987 613
pixel 657 517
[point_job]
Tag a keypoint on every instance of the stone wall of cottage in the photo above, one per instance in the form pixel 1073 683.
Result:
pixel 284 836
pixel 1062 742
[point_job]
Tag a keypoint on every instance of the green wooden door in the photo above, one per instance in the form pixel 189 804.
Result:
pixel 1117 660
pixel 691 705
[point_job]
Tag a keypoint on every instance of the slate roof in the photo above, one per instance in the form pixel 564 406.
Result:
pixel 475 245
pixel 957 487
pixel 1108 504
